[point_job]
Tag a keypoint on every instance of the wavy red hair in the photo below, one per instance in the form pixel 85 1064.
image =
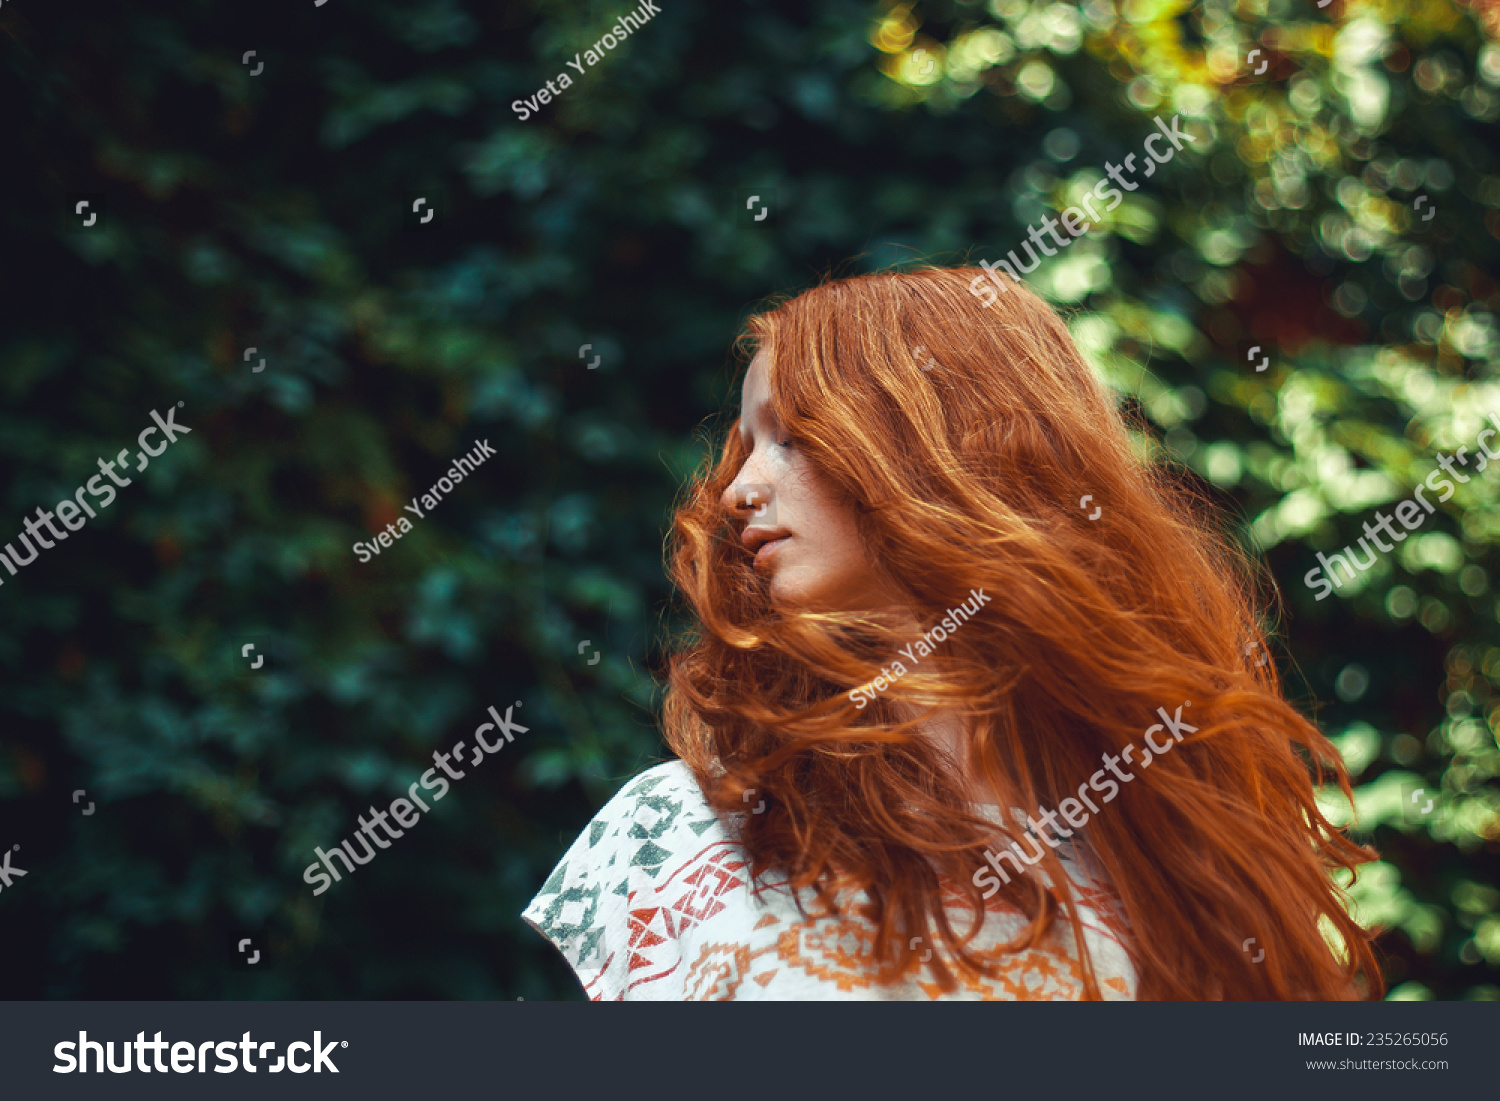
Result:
pixel 967 475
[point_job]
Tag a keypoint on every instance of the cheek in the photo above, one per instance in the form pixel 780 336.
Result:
pixel 770 468
pixel 839 521
pixel 836 552
pixel 819 511
pixel 843 545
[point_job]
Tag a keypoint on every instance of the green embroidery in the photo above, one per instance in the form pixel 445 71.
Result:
pixel 667 811
pixel 564 932
pixel 650 856
pixel 556 880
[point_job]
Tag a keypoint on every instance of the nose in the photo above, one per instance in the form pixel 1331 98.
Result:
pixel 746 499
pixel 742 499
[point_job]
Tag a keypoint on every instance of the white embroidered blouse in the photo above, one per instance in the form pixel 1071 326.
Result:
pixel 653 901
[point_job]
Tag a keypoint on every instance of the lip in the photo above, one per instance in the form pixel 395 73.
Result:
pixel 763 555
pixel 763 542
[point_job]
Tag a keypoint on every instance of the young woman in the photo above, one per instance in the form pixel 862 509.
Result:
pixel 932 579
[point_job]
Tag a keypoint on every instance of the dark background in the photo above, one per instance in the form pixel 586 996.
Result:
pixel 273 211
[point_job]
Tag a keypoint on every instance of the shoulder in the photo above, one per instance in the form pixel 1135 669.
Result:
pixel 651 826
pixel 662 804
pixel 670 778
pixel 654 900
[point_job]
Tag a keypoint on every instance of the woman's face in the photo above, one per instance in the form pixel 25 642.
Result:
pixel 802 532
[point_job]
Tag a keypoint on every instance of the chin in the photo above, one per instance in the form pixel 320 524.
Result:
pixel 783 597
pixel 792 594
pixel 787 593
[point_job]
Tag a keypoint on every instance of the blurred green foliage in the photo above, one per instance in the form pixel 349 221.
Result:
pixel 274 211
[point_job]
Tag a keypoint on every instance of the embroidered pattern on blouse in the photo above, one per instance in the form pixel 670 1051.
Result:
pixel 654 901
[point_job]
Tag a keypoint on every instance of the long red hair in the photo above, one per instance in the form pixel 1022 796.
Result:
pixel 966 435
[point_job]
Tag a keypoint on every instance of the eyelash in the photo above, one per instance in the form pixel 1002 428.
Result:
pixel 782 441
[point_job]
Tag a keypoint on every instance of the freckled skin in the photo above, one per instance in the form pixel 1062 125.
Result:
pixel 825 563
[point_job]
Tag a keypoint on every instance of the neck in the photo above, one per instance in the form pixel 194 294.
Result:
pixel 949 732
